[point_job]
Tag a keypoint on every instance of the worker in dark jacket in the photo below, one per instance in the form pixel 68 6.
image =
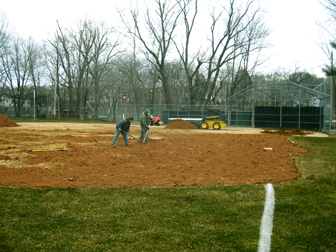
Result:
pixel 123 128
pixel 144 121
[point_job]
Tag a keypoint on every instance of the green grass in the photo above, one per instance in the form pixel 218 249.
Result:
pixel 206 218
pixel 152 219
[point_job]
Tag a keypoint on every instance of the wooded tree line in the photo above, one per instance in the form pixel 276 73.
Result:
pixel 159 56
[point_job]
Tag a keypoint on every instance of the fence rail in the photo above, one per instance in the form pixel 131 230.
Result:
pixel 307 118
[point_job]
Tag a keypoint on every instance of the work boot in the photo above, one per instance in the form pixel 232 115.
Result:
pixel 127 144
pixel 113 146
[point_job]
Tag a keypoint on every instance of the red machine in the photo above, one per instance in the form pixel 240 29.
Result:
pixel 155 121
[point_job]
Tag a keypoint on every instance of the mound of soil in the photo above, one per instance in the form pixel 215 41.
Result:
pixel 6 122
pixel 180 124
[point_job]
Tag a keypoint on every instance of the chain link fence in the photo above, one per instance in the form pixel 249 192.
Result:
pixel 306 118
pixel 278 106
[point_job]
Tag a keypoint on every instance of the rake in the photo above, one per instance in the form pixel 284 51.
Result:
pixel 63 149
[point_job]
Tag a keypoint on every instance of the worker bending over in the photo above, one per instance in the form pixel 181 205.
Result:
pixel 123 127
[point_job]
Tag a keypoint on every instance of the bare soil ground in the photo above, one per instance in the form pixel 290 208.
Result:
pixel 173 157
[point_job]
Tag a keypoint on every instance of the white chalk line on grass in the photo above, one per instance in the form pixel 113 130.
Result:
pixel 267 220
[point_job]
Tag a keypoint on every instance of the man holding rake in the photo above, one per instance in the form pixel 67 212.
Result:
pixel 144 121
pixel 123 128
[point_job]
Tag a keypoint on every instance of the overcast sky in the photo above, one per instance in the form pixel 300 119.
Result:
pixel 295 36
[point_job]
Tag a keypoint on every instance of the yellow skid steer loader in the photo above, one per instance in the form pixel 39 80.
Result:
pixel 215 121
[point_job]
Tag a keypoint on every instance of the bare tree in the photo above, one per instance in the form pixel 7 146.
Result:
pixel 4 47
pixel 15 61
pixel 232 43
pixel 116 82
pixel 161 25
pixel 104 50
pixel 330 6
pixel 84 55
pixel 177 79
pixel 62 48
pixel 83 39
pixel 241 69
pixel 35 72
pixel 52 66
pixel 191 64
pixel 4 32
pixel 131 68
pixel 136 74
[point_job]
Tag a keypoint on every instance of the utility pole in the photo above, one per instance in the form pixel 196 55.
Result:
pixel 55 91
pixel 56 83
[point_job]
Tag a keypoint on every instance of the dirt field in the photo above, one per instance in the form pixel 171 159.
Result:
pixel 173 157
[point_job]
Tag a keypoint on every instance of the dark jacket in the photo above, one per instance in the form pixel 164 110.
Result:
pixel 124 125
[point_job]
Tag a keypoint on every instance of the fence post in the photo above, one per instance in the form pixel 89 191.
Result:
pixel 253 109
pixel 320 118
pixel 229 118
pixel 237 118
pixel 299 109
pixel 281 108
pixel 331 93
pixel 116 113
pixel 225 89
pixel 34 103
